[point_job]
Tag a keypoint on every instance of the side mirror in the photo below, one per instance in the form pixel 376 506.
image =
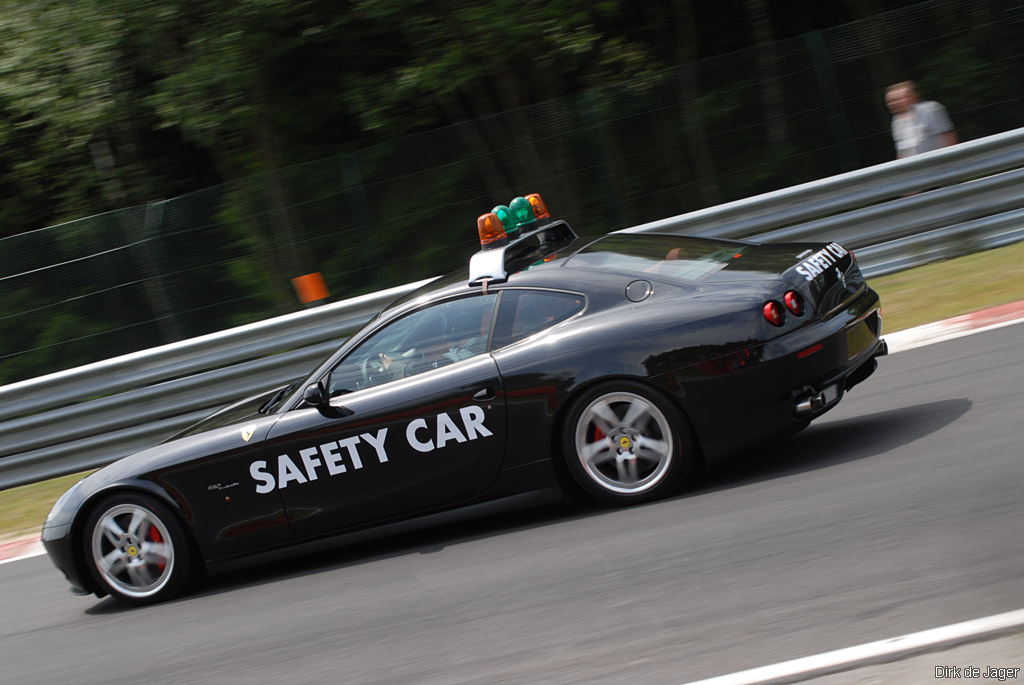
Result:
pixel 315 395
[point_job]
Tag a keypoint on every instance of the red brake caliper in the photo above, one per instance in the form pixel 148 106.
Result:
pixel 154 535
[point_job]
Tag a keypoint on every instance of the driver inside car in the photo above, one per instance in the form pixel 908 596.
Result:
pixel 462 340
pixel 424 340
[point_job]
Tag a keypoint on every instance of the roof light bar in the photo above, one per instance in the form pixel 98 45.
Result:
pixel 504 215
pixel 522 214
pixel 492 233
pixel 506 222
pixel 540 210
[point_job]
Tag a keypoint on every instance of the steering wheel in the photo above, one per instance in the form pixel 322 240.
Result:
pixel 443 360
pixel 370 366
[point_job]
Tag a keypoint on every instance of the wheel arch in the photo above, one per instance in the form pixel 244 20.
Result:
pixel 567 405
pixel 78 555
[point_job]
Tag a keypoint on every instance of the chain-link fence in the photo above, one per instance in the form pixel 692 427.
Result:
pixel 685 138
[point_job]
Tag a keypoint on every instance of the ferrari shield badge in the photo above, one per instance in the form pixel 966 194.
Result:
pixel 247 432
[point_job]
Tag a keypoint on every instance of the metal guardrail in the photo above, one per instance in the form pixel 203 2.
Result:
pixel 852 190
pixel 92 415
pixel 89 416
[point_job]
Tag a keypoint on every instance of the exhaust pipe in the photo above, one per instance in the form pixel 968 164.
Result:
pixel 811 403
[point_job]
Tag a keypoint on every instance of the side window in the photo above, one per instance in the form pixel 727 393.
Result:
pixel 426 339
pixel 525 312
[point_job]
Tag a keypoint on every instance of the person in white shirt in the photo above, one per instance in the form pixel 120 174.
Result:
pixel 917 126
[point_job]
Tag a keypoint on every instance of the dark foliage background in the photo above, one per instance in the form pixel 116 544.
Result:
pixel 218 150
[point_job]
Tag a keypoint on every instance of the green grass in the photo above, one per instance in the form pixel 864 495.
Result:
pixel 909 298
pixel 23 510
pixel 959 286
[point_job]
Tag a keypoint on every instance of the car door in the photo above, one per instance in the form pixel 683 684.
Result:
pixel 416 421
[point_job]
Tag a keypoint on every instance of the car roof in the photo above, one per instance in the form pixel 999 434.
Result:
pixel 598 264
pixel 454 284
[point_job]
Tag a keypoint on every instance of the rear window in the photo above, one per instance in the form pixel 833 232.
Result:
pixel 680 257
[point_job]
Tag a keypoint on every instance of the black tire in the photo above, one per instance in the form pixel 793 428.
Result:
pixel 624 443
pixel 136 549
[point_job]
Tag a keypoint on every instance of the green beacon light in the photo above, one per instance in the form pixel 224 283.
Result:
pixel 504 215
pixel 522 213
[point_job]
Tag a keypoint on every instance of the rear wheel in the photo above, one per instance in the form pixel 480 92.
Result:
pixel 136 549
pixel 624 444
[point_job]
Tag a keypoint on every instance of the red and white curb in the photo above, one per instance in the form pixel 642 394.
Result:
pixel 883 651
pixel 987 319
pixel 21 548
pixel 957 327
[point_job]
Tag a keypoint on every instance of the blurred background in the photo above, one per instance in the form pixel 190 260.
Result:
pixel 167 169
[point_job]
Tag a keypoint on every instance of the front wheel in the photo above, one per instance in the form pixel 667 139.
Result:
pixel 625 444
pixel 136 549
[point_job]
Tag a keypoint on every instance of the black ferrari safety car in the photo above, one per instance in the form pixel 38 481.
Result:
pixel 616 367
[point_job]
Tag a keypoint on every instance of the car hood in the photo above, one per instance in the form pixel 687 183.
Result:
pixel 238 423
pixel 243 410
pixel 233 427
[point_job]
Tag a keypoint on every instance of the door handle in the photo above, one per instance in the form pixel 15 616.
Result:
pixel 485 395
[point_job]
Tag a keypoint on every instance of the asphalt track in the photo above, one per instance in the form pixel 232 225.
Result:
pixel 899 511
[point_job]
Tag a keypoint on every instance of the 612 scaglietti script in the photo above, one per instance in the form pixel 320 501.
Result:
pixel 614 367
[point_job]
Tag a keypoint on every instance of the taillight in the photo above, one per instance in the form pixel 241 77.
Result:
pixel 794 303
pixel 809 351
pixel 773 313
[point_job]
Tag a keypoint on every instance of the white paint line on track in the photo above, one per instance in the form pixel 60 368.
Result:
pixel 883 651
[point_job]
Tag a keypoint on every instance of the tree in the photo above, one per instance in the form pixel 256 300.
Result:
pixel 56 67
pixel 768 72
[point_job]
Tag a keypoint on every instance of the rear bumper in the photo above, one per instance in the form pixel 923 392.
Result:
pixel 813 400
pixel 786 382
